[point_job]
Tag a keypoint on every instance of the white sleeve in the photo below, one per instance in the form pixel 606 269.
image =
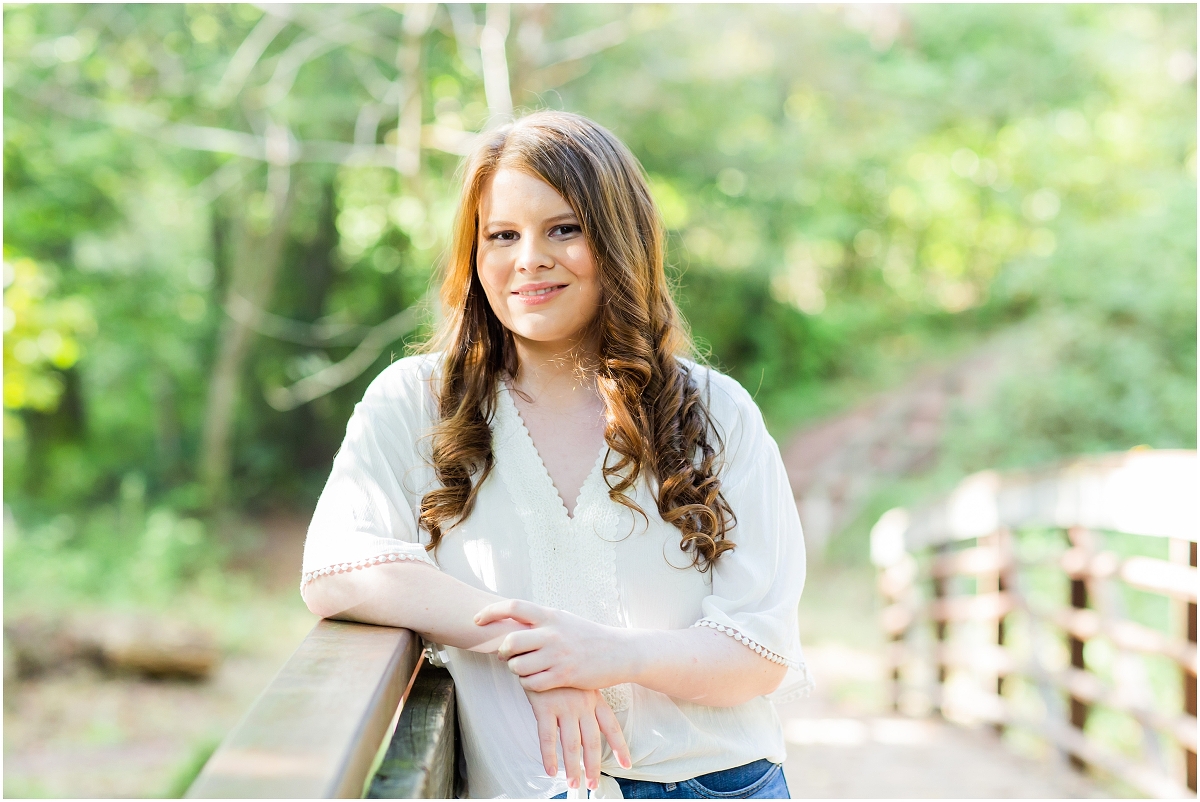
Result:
pixel 367 513
pixel 756 587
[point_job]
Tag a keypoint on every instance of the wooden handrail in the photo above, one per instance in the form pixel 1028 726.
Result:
pixel 927 561
pixel 318 727
pixel 1139 492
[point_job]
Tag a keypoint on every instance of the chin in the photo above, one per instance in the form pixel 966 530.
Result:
pixel 546 337
pixel 547 334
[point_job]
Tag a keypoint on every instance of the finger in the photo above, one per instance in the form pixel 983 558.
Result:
pixel 521 641
pixel 524 665
pixel 516 609
pixel 589 732
pixel 547 725
pixel 607 721
pixel 542 681
pixel 568 729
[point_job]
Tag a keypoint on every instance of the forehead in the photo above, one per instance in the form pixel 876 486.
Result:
pixel 515 194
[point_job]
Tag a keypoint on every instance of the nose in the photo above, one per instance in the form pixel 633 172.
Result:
pixel 532 256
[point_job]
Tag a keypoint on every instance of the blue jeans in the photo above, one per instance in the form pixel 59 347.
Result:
pixel 761 779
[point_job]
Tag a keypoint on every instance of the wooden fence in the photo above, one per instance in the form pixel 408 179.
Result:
pixel 989 621
pixel 353 713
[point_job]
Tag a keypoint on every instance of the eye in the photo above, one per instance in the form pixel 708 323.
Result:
pixel 565 230
pixel 503 236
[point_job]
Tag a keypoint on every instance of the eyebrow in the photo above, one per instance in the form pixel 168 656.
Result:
pixel 555 219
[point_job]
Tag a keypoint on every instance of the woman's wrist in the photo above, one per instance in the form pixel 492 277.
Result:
pixel 493 634
pixel 632 650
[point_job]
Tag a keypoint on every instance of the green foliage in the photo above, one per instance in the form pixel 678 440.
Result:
pixel 1111 364
pixel 848 190
pixel 927 172
pixel 41 338
pixel 120 553
pixel 782 348
pixel 190 769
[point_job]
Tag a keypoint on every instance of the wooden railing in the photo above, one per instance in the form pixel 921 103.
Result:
pixel 990 622
pixel 353 713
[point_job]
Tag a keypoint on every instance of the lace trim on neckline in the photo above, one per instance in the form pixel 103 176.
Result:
pixel 572 561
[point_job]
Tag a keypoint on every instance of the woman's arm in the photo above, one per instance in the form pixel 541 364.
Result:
pixel 442 609
pixel 414 596
pixel 698 665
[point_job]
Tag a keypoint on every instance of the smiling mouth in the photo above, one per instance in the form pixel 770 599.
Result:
pixel 542 291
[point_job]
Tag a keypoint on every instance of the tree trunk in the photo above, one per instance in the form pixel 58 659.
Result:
pixel 258 252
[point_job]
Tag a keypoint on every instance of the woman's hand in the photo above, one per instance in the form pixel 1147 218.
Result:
pixel 559 650
pixel 582 720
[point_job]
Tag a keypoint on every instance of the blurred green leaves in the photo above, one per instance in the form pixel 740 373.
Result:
pixel 42 337
pixel 844 187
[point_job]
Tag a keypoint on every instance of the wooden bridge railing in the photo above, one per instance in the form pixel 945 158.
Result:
pixel 981 630
pixel 351 714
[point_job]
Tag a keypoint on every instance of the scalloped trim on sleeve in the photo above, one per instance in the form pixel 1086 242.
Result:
pixel 798 691
pixel 753 645
pixel 341 568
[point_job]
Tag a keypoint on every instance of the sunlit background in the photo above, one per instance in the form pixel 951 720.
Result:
pixel 929 239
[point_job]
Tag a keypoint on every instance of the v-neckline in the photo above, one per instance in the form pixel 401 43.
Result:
pixel 582 498
pixel 572 560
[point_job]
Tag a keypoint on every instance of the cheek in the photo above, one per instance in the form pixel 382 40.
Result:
pixel 581 262
pixel 590 277
pixel 491 277
pixel 587 303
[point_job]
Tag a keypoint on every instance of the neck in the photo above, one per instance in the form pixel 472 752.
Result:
pixel 564 373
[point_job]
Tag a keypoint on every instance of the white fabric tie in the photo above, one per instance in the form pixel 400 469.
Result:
pixel 608 788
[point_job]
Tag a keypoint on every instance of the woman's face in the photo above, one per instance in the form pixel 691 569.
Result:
pixel 534 263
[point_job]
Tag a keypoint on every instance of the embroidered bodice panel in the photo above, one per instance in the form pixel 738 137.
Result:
pixel 572 562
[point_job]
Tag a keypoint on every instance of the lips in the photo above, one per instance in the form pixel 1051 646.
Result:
pixel 542 291
pixel 533 294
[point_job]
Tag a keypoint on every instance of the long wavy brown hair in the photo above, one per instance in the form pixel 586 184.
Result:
pixel 656 421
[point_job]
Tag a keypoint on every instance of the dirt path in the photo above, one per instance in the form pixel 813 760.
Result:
pixel 840 751
pixel 834 465
pixel 84 734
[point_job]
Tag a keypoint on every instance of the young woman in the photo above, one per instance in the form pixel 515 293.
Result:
pixel 596 533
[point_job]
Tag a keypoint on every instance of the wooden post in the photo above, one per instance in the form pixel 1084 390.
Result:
pixel 1189 679
pixel 420 759
pixel 1003 541
pixel 897 646
pixel 940 627
pixel 896 589
pixel 1079 538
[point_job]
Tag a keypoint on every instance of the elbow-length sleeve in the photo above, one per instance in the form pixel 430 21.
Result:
pixel 367 513
pixel 756 587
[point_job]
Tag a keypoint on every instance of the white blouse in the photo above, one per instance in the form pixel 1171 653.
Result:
pixel 605 564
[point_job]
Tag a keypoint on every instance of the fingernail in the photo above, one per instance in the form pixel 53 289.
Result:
pixel 572 784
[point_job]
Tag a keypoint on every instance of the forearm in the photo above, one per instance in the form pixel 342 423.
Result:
pixel 697 665
pixel 413 596
pixel 560 650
